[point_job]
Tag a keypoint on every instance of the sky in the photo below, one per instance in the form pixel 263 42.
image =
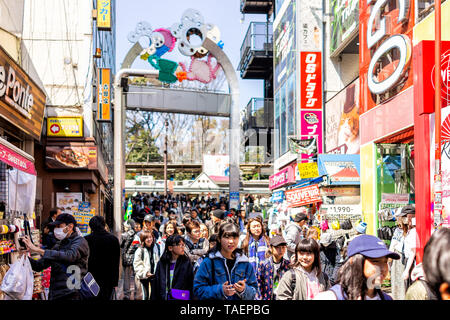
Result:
pixel 162 14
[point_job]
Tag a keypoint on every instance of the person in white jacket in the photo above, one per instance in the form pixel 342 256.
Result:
pixel 145 261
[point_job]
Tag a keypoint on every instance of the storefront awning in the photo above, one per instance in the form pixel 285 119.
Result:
pixel 340 169
pixel 13 156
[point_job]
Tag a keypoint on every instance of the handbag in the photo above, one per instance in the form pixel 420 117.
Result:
pixel 178 294
pixel 89 287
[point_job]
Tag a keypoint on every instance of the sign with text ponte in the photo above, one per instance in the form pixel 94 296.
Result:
pixel 385 50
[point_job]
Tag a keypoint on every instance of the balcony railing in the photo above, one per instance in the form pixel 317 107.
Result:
pixel 255 7
pixel 257 51
pixel 259 114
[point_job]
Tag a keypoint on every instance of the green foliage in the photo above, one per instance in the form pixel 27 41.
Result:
pixel 141 145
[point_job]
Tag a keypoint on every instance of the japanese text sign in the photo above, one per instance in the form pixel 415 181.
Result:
pixel 308 170
pixel 104 95
pixel 311 80
pixel 65 127
pixel 281 178
pixel 104 14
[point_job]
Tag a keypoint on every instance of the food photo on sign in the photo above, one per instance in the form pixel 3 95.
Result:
pixel 73 157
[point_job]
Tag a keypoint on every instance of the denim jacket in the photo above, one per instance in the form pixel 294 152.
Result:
pixel 208 287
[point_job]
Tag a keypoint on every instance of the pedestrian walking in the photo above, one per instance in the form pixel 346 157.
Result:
pixel 196 245
pixel 226 273
pixel 174 273
pixel 435 285
pixel 398 266
pixel 255 243
pixel 128 250
pixel 361 276
pixel 104 257
pixel 330 257
pixel 71 250
pixel 293 233
pixel 145 261
pixel 305 280
pixel 271 270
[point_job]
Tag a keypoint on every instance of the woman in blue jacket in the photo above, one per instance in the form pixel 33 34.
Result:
pixel 226 273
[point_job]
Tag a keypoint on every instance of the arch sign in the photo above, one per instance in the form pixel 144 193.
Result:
pixel 385 50
pixel 190 33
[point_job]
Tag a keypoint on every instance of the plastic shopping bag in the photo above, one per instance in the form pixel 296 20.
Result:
pixel 18 281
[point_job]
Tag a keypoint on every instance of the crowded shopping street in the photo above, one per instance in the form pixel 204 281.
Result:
pixel 220 158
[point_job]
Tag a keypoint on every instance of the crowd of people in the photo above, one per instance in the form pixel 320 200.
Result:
pixel 176 248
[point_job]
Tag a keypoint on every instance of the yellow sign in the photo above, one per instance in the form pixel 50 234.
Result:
pixel 65 127
pixel 308 170
pixel 103 94
pixel 104 14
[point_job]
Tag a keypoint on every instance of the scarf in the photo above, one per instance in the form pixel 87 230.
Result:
pixel 256 252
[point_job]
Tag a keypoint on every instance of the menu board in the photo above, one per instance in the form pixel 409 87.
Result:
pixel 68 201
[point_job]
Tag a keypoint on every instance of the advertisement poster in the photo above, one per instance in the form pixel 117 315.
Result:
pixel 303 196
pixel 68 201
pixel 445 164
pixel 65 127
pixel 83 215
pixel 216 165
pixel 71 157
pixel 311 126
pixel 284 44
pixel 342 121
pixel 342 171
pixel 344 23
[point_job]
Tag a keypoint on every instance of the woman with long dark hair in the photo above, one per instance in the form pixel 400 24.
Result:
pixel 363 272
pixel 174 274
pixel 226 273
pixel 255 243
pixel 305 279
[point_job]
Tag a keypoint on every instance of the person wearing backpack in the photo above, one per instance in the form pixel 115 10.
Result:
pixel 363 272
pixel 330 256
pixel 226 273
pixel 128 256
pixel 305 279
pixel 174 273
pixel 146 259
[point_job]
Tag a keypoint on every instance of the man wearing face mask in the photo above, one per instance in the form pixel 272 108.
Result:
pixel 70 250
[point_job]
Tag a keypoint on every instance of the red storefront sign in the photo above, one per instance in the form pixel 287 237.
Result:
pixel 311 80
pixel 385 49
pixel 303 196
pixel 15 160
pixel 424 66
pixel 281 178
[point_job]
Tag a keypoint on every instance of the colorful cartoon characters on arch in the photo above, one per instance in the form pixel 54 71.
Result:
pixel 190 33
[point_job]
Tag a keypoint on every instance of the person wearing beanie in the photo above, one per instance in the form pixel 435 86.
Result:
pixel 217 216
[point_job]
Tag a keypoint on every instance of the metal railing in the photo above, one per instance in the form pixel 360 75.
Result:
pixel 259 37
pixel 259 113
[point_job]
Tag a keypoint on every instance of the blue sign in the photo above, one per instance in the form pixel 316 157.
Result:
pixel 277 196
pixel 341 169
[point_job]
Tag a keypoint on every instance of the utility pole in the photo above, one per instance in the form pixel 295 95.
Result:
pixel 166 123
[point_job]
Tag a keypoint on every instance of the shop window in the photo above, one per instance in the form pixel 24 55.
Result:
pixel 423 8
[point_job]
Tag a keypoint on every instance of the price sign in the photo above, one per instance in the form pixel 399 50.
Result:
pixel 340 209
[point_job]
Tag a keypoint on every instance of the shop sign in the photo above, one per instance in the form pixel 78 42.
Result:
pixel 277 197
pixel 311 126
pixel 395 198
pixel 352 209
pixel 303 146
pixel 284 44
pixel 72 156
pixel 339 191
pixel 425 68
pixel 104 14
pixel 311 80
pixel 310 28
pixel 22 102
pixel 303 196
pixel 342 121
pixel 385 46
pixel 308 170
pixel 83 215
pixel 65 127
pixel 344 24
pixel 342 171
pixel 285 176
pixel 15 160
pixel 104 94
pixel 68 202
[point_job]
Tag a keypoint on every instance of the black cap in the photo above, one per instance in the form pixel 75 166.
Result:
pixel 218 213
pixel 64 218
pixel 277 241
pixel 409 209
pixel 300 217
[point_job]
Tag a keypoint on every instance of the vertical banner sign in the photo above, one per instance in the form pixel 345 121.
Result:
pixel 311 80
pixel 311 127
pixel 104 94
pixel 104 14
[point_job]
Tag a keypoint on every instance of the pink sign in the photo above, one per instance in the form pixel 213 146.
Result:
pixel 311 126
pixel 17 161
pixel 281 178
